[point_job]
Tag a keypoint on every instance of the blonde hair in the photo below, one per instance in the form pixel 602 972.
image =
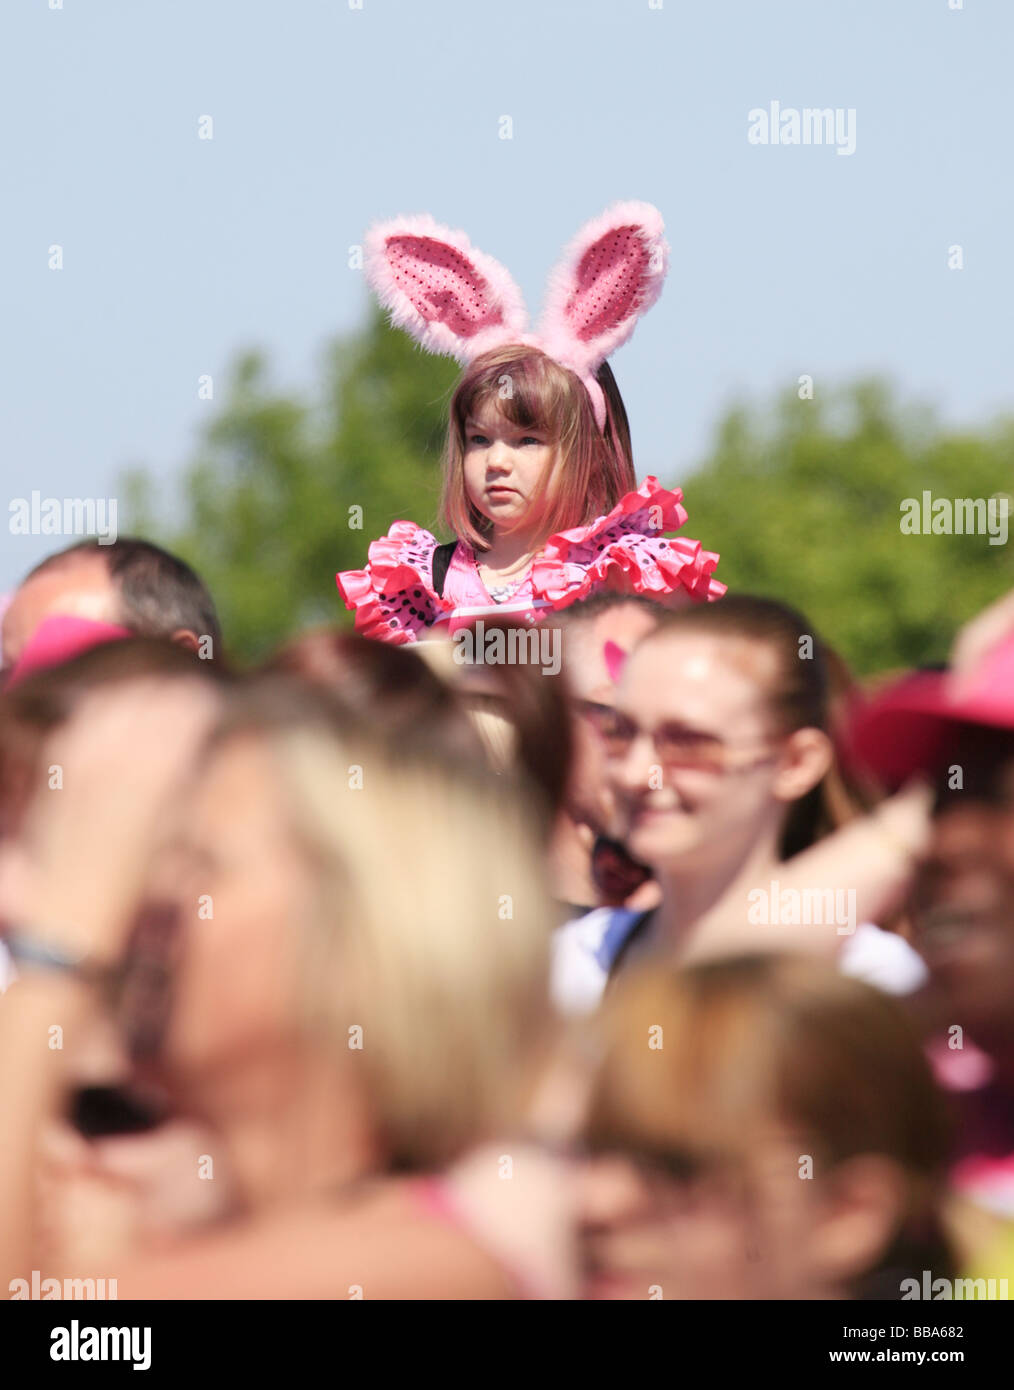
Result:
pixel 592 469
pixel 739 1043
pixel 430 934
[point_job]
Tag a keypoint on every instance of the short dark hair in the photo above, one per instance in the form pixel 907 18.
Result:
pixel 586 610
pixel 159 592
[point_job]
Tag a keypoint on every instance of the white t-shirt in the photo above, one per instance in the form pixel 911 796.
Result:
pixel 583 951
pixel 6 967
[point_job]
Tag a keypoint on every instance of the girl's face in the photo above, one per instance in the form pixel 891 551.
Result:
pixel 646 1233
pixel 504 466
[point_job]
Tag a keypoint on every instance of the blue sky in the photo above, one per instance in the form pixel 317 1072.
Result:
pixel 179 253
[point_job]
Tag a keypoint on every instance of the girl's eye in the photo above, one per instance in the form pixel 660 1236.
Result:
pixel 478 439
pixel 531 439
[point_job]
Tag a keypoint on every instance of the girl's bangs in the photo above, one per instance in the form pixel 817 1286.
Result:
pixel 708 1090
pixel 529 390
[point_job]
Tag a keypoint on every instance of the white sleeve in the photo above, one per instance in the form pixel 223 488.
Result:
pixel 884 959
pixel 6 968
pixel 577 977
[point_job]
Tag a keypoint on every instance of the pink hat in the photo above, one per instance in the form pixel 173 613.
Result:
pixel 910 726
pixel 459 302
pixel 59 638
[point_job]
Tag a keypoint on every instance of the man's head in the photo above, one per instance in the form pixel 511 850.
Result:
pixel 131 583
pixel 963 901
pixel 958 731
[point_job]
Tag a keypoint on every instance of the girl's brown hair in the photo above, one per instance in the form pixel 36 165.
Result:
pixel 593 469
pixel 810 690
pixel 744 1040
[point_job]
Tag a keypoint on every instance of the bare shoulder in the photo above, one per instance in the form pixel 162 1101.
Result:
pixel 383 1243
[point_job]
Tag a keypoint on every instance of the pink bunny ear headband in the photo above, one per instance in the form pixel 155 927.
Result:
pixel 459 302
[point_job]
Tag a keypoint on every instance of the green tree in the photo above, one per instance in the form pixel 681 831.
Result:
pixel 802 499
pixel 804 504
pixel 270 501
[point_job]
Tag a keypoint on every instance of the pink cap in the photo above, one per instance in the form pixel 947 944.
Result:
pixel 907 728
pixel 59 638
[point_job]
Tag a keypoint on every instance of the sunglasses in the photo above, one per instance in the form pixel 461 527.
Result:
pixel 675 745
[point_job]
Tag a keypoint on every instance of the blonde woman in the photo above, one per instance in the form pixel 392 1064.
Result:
pixel 358 997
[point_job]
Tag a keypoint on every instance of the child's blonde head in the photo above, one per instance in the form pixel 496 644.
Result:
pixel 592 469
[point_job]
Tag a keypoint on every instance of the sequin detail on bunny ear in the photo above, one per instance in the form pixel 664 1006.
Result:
pixel 456 300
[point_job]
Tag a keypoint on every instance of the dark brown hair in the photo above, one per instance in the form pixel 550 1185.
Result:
pixel 388 687
pixel 159 593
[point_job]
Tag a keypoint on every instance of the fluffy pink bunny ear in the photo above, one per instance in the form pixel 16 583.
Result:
pixel 453 299
pixel 611 274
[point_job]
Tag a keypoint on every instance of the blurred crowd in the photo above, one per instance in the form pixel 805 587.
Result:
pixel 680 967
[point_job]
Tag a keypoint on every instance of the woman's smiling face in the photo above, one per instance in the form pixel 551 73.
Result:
pixel 504 467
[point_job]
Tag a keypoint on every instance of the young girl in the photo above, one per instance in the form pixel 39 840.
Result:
pixel 763 1070
pixel 539 484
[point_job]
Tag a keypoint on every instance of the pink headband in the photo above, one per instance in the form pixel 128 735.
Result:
pixel 459 302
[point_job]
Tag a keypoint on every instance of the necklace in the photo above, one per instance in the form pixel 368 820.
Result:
pixel 499 593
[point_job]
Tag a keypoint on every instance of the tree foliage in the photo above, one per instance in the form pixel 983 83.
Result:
pixel 803 500
pixel 804 503
pixel 285 491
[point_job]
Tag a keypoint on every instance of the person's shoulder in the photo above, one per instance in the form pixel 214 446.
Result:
pixel 626 549
pixel 582 952
pixel 394 597
pixel 383 1242
pixel 592 928
pixel 405 542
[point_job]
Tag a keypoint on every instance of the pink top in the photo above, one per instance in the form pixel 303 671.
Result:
pixel 395 601
pixel 435 1198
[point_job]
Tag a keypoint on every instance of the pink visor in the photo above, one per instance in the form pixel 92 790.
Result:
pixel 59 638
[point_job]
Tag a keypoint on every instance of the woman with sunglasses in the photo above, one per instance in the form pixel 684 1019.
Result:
pixel 720 757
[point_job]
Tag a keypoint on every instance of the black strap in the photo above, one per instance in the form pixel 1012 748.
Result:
pixel 441 563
